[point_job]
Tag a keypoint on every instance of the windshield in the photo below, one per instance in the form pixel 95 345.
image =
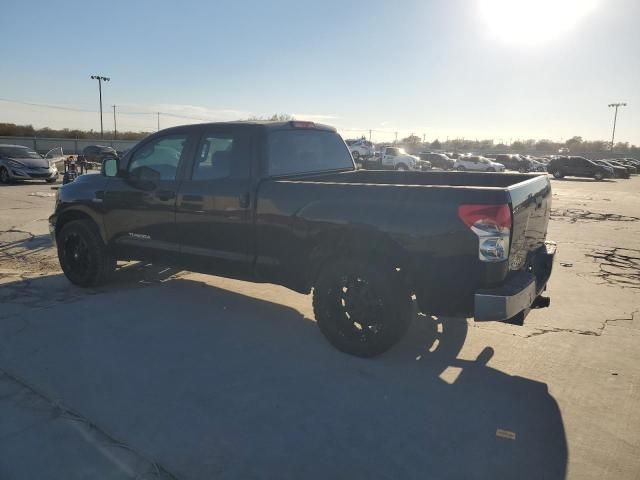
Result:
pixel 306 151
pixel 18 152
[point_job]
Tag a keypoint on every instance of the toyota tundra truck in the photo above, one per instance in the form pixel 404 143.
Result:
pixel 282 203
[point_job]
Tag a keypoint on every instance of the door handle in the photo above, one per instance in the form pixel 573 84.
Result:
pixel 165 195
pixel 245 200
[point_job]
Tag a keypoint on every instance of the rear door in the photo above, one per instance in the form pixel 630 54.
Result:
pixel 140 205
pixel 214 214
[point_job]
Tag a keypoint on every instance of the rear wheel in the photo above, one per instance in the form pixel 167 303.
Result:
pixel 355 155
pixel 360 307
pixel 83 256
pixel 522 169
pixel 558 174
pixel 461 168
pixel 4 176
pixel 51 180
pixel 402 167
pixel 491 169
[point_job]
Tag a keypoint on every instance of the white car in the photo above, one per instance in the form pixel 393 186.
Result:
pixel 361 148
pixel 477 164
pixel 398 159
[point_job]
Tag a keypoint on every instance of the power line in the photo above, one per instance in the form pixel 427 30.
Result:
pixel 56 107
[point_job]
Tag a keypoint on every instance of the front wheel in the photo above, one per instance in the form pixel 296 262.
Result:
pixel 355 155
pixel 401 167
pixel 360 307
pixel 461 168
pixel 83 255
pixel 558 174
pixel 598 176
pixel 51 180
pixel 491 169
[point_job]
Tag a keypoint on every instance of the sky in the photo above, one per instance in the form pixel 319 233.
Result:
pixel 500 69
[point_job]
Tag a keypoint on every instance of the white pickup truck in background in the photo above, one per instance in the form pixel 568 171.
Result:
pixel 397 159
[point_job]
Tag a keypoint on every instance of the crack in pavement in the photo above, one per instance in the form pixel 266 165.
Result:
pixel 618 266
pixel 595 333
pixel 574 215
pixel 104 442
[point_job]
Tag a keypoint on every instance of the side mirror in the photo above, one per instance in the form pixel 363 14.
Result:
pixel 110 167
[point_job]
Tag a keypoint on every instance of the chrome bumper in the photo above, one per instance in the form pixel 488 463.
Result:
pixel 519 292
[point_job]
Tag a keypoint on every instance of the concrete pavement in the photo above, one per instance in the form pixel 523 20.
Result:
pixel 201 377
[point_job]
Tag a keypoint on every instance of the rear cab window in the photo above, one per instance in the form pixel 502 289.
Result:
pixel 299 151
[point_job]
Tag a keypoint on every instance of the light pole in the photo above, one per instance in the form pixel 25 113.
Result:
pixel 100 80
pixel 615 118
pixel 115 126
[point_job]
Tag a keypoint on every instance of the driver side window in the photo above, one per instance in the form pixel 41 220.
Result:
pixel 162 155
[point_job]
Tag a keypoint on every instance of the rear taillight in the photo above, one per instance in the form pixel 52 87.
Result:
pixel 492 225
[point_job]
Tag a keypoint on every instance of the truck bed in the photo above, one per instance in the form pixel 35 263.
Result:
pixel 417 211
pixel 435 178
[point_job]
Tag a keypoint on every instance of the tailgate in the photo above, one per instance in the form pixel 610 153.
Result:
pixel 531 204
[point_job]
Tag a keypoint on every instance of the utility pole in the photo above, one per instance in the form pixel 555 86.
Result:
pixel 615 118
pixel 424 136
pixel 396 141
pixel 100 80
pixel 158 121
pixel 115 126
pixel 369 134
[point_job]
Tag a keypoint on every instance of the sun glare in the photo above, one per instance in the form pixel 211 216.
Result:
pixel 533 22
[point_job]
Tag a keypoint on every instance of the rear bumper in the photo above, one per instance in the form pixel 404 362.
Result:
pixel 519 292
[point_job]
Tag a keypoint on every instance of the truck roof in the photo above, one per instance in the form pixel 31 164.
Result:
pixel 264 124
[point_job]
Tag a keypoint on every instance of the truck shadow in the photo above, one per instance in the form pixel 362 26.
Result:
pixel 215 384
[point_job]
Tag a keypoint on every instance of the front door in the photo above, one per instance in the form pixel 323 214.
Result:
pixel 140 203
pixel 214 214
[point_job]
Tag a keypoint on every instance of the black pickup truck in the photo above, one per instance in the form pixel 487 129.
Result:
pixel 282 202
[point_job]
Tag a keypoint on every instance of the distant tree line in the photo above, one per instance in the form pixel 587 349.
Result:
pixel 574 145
pixel 13 130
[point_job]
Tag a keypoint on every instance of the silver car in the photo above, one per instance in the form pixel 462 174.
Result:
pixel 22 163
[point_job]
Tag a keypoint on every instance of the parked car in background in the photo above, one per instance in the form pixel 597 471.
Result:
pixel 633 162
pixel 478 164
pixel 22 163
pixel 513 162
pixel 397 159
pixel 97 153
pixel 617 162
pixel 618 170
pixel 438 160
pixel 578 167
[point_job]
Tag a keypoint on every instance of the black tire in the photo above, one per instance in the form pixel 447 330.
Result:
pixel 83 255
pixel 461 168
pixel 402 167
pixel 598 176
pixel 356 155
pixel 51 180
pixel 522 170
pixel 362 308
pixel 491 169
pixel 4 176
pixel 558 174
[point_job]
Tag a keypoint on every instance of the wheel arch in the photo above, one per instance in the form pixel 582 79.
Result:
pixel 341 243
pixel 72 214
